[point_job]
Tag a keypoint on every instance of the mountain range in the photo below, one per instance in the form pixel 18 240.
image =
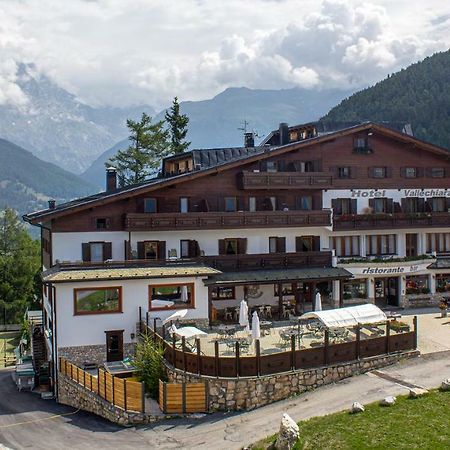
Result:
pixel 220 121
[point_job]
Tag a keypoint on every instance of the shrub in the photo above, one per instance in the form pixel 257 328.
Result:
pixel 149 363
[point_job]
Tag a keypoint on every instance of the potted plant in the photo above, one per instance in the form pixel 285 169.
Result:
pixel 443 308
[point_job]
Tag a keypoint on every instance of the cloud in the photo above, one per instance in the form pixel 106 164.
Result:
pixel 110 52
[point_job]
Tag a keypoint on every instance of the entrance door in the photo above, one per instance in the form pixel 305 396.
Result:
pixel 380 292
pixel 114 345
pixel 411 244
pixel 392 291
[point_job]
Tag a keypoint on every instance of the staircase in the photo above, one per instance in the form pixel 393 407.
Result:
pixel 39 355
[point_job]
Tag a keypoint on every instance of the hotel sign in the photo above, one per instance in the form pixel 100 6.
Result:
pixel 406 193
pixel 384 270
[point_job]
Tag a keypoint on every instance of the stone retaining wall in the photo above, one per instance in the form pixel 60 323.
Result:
pixel 227 394
pixel 421 300
pixel 91 353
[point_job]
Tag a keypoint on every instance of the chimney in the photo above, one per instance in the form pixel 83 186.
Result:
pixel 51 204
pixel 284 133
pixel 111 179
pixel 249 140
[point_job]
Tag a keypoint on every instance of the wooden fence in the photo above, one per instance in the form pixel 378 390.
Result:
pixel 292 359
pixel 128 395
pixel 183 397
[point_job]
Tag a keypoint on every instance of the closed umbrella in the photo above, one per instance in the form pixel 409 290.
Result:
pixel 175 316
pixel 184 294
pixel 243 314
pixel 318 302
pixel 256 330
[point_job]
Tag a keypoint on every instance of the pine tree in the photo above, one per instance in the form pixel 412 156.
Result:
pixel 177 128
pixel 19 264
pixel 149 143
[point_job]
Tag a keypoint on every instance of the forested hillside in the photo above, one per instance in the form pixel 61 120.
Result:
pixel 419 95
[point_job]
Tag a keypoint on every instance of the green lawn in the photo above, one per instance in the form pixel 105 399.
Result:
pixel 9 340
pixel 422 423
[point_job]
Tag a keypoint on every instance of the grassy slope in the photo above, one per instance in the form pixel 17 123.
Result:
pixel 422 423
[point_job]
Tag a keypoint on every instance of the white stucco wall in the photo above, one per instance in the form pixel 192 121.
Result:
pixel 77 330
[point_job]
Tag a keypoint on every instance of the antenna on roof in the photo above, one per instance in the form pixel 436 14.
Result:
pixel 244 126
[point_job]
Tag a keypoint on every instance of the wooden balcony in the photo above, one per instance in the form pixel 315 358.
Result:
pixel 226 220
pixel 286 180
pixel 225 263
pixel 388 221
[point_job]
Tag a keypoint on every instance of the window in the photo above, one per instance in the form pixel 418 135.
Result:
pixel 150 205
pixel 230 204
pixel 438 242
pixel 437 172
pixel 417 284
pixel 439 204
pixel 410 172
pixel 413 205
pixel 151 250
pixel 361 145
pixel 384 244
pixel 272 166
pixel 345 245
pixel 277 244
pixel 232 246
pixel 252 204
pixel 101 223
pixel 223 293
pixel 270 204
pixel 443 283
pixel 379 172
pixel 344 206
pixel 171 296
pixel 379 205
pixel 96 251
pixel 354 289
pixel 344 172
pixel 360 142
pixel 184 204
pixel 305 203
pixel 97 300
pixel 307 243
pixel 189 248
pixel 286 289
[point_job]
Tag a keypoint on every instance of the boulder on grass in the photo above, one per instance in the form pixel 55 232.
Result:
pixel 417 392
pixel 357 408
pixel 388 401
pixel 445 385
pixel 288 435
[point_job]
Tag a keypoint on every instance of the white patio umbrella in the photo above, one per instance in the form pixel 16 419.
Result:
pixel 318 302
pixel 243 315
pixel 256 330
pixel 176 315
pixel 184 294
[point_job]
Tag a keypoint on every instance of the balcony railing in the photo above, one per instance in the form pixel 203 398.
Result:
pixel 221 262
pixel 224 220
pixel 286 180
pixel 386 221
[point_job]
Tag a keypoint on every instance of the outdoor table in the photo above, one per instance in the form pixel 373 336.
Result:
pixel 162 303
pixel 120 369
pixel 189 332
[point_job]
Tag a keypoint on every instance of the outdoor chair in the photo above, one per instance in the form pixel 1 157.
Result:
pixel 285 339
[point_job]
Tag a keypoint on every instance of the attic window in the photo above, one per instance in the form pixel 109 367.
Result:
pixel 361 145
pixel 101 223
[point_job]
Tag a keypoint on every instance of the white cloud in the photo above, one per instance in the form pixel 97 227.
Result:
pixel 147 51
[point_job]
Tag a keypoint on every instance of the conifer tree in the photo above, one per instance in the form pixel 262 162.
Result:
pixel 177 128
pixel 149 143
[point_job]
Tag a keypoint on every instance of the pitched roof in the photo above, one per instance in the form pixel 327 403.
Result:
pixel 217 164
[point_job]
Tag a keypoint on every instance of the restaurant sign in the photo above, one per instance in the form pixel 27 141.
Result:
pixel 383 270
pixel 405 193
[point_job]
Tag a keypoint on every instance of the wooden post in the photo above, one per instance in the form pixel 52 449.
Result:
pixel 199 356
pixel 84 378
pixel 125 394
pixel 113 395
pixel 183 346
pixel 388 336
pixel 415 332
pixel 71 371
pixel 98 381
pixel 341 294
pixel 147 319
pixel 174 351
pixel 280 301
pixel 313 296
pixel 143 397
pixel 293 352
pixel 237 359
pixel 326 357
pixel 140 319
pixel 154 326
pixel 163 333
pixel 104 380
pixel 258 357
pixel 358 341
pixel 210 306
pixel 216 359
pixel 165 397
pixel 183 397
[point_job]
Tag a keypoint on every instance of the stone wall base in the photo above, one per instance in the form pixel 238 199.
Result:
pixel 421 301
pixel 234 394
pixel 91 353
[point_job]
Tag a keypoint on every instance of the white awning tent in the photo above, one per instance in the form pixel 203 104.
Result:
pixel 347 317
